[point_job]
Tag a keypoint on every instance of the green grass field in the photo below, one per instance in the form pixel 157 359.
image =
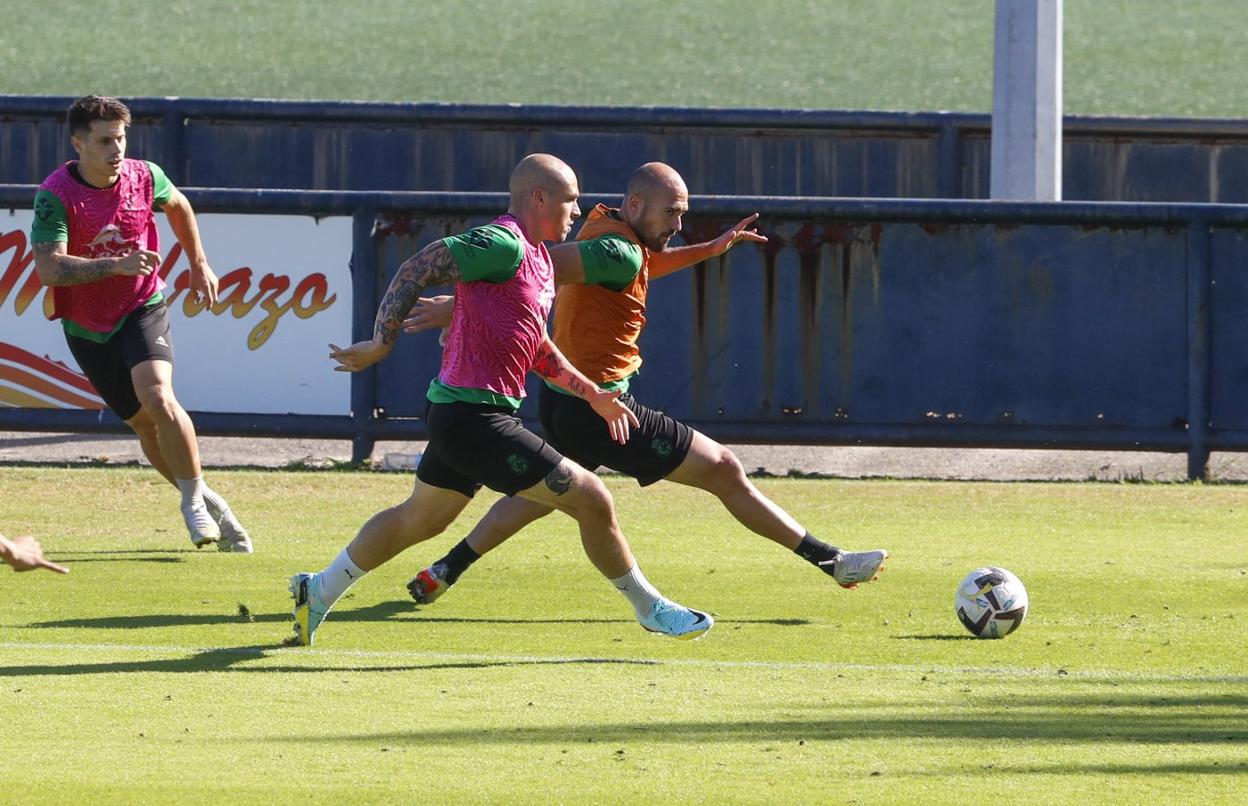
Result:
pixel 1136 57
pixel 135 679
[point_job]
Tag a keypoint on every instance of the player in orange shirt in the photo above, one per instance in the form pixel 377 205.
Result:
pixel 599 313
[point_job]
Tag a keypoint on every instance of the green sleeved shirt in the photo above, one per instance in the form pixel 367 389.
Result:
pixel 611 261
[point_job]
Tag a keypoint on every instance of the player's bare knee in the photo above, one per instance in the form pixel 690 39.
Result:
pixel 581 491
pixel 727 473
pixel 597 505
pixel 158 403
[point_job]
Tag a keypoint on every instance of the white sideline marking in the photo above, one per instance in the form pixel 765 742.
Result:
pixel 830 666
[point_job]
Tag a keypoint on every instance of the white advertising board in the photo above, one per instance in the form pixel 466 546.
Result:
pixel 285 293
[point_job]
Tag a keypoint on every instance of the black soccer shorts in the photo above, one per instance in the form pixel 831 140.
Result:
pixel 653 450
pixel 144 336
pixel 471 445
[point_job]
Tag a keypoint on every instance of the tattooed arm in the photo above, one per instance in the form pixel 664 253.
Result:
pixel 55 266
pixel 434 265
pixel 555 368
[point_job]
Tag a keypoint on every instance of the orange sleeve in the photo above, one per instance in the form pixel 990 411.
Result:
pixel 672 260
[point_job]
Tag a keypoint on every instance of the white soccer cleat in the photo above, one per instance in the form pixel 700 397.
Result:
pixel 202 528
pixel 850 568
pixel 234 537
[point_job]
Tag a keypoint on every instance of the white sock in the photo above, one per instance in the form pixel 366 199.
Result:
pixel 191 489
pixel 638 590
pixel 337 577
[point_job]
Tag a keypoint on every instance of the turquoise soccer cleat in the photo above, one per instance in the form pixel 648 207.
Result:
pixel 668 618
pixel 308 612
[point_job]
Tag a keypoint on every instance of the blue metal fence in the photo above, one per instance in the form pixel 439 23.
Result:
pixel 444 147
pixel 883 322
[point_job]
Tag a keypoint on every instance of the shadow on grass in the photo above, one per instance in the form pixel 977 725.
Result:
pixel 228 659
pixel 1206 768
pixel 1053 725
pixel 70 559
pixel 384 611
pixel 937 637
pixel 187 550
pixel 122 556
pixel 398 611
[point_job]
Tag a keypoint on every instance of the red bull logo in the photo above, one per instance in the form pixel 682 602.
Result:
pixel 110 243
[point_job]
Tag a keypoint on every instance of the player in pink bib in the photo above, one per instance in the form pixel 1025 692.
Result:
pixel 504 286
pixel 96 246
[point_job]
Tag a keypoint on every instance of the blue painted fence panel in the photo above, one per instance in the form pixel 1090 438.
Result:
pixel 873 322
pixel 443 147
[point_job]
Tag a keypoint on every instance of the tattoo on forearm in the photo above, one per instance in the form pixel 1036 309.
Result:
pixel 70 270
pixel 547 365
pixel 559 480
pixel 434 265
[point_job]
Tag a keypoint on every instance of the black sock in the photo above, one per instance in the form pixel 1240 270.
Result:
pixel 457 561
pixel 815 551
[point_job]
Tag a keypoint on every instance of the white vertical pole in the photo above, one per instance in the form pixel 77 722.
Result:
pixel 1027 101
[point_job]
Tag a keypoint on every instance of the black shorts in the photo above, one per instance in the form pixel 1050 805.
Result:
pixel 471 444
pixel 144 336
pixel 653 451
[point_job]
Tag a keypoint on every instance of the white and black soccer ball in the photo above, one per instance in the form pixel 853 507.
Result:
pixel 991 602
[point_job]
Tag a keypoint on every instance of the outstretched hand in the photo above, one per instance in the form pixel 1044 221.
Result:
pixel 25 554
pixel 620 418
pixel 359 356
pixel 741 232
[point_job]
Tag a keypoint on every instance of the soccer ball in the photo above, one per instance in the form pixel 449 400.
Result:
pixel 991 602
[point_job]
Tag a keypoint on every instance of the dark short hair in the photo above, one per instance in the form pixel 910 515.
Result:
pixel 90 108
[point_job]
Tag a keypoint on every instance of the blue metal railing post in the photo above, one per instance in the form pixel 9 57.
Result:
pixel 949 161
pixel 363 310
pixel 175 162
pixel 1199 334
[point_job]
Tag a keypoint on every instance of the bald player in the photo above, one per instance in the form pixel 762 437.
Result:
pixel 504 286
pixel 599 314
